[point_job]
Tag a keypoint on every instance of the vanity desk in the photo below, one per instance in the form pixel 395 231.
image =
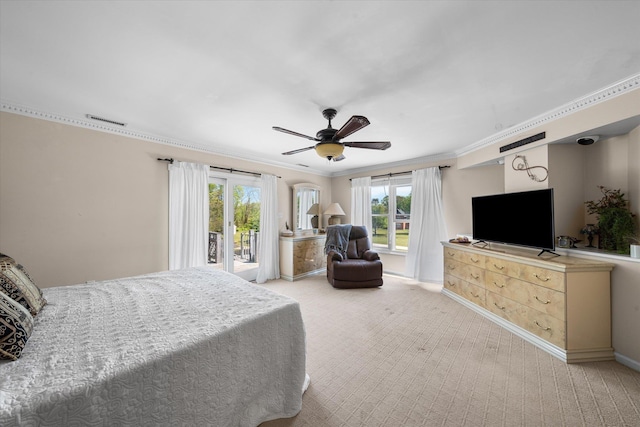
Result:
pixel 561 304
pixel 302 256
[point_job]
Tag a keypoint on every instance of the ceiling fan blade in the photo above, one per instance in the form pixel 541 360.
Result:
pixel 290 132
pixel 354 124
pixel 380 145
pixel 299 150
pixel 340 157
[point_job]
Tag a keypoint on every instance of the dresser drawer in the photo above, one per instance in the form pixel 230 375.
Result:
pixel 454 268
pixel 474 259
pixel 537 297
pixel 454 254
pixel 541 324
pixel 542 276
pixel 453 283
pixel 473 293
pixel 473 274
pixel 508 268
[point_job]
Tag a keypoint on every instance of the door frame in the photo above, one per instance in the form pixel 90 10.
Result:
pixel 230 180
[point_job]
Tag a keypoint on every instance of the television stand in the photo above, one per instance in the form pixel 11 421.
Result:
pixel 560 304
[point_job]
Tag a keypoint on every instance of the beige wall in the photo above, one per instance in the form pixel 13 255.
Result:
pixel 516 177
pixel 79 205
pixel 566 166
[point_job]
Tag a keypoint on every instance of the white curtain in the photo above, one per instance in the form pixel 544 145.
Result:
pixel 424 260
pixel 188 215
pixel 268 249
pixel 361 202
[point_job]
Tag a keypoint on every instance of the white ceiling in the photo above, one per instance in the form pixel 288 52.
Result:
pixel 432 77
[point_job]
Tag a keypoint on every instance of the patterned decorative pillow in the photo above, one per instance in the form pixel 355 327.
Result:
pixel 17 285
pixel 16 324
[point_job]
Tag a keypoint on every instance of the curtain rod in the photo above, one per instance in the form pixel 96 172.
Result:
pixel 231 170
pixel 390 174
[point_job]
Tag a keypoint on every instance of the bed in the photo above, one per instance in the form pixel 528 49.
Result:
pixel 187 347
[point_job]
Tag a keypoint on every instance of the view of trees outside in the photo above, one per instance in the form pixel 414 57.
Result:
pixel 246 208
pixel 216 207
pixel 380 215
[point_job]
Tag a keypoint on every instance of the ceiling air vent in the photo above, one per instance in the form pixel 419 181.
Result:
pixel 101 119
pixel 522 142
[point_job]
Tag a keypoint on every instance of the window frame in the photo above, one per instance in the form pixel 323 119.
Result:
pixel 392 186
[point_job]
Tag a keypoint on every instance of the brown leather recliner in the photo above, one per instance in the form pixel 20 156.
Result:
pixel 361 268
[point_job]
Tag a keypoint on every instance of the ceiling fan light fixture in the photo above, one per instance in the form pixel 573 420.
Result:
pixel 329 150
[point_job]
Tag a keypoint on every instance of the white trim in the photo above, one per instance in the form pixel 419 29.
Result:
pixel 300 276
pixel 623 86
pixel 626 361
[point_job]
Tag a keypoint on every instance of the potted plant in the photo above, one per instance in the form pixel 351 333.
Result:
pixel 615 220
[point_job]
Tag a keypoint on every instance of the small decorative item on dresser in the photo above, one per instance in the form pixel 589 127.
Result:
pixel 567 242
pixel 590 230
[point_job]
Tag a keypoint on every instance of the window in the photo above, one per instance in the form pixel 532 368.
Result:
pixel 391 213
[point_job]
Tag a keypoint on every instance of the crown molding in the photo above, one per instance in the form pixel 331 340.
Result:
pixel 623 86
pixel 10 107
pixel 99 126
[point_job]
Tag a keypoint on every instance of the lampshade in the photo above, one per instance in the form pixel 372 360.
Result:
pixel 334 209
pixel 314 209
pixel 329 150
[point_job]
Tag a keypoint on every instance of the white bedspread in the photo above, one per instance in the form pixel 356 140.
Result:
pixel 194 347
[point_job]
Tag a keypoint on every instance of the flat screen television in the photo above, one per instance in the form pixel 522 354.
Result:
pixel 522 219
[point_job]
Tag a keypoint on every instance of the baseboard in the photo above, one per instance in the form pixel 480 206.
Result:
pixel 290 278
pixel 628 362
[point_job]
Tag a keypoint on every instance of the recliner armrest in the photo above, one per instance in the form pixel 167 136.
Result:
pixel 370 255
pixel 334 256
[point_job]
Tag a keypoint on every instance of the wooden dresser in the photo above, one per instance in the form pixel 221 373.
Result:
pixel 302 256
pixel 561 304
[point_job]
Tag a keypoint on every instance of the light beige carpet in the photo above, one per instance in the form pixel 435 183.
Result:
pixel 406 355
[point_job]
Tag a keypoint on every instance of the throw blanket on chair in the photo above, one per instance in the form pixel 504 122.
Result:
pixel 337 239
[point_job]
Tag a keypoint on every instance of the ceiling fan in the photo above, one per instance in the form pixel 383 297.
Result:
pixel 328 140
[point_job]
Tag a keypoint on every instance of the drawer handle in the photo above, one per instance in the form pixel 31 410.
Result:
pixel 540 326
pixel 500 307
pixel 451 253
pixel 476 296
pixel 544 302
pixel 474 260
pixel 545 279
pixel 450 284
pixel 500 286
pixel 499 267
pixel 474 277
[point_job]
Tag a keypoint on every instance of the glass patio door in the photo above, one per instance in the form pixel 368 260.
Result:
pixel 234 225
